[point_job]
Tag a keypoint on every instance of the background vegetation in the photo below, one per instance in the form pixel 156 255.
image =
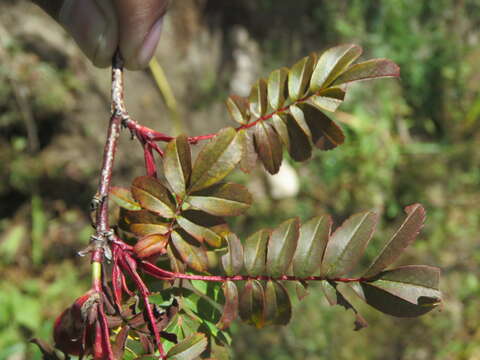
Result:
pixel 413 140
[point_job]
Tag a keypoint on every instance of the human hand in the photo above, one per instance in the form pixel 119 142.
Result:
pixel 100 26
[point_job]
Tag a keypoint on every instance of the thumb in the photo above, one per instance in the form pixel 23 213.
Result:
pixel 91 23
pixel 140 26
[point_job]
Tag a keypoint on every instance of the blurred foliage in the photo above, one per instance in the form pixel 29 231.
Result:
pixel 413 140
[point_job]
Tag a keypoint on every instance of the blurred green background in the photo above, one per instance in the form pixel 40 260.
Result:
pixel 411 140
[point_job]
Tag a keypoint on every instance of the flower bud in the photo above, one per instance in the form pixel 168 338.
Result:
pixel 73 331
pixel 154 244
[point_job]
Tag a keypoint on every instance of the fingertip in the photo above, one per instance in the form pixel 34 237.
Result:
pixel 140 27
pixel 149 45
pixel 93 28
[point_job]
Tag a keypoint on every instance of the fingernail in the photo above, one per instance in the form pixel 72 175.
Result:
pixel 150 43
pixel 88 25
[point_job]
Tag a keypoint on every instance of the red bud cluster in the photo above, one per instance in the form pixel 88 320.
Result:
pixel 78 329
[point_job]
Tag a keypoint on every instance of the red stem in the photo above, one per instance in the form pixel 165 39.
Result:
pixel 144 133
pixel 161 274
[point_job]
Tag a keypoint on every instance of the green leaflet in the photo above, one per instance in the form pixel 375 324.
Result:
pixel 347 244
pixel 232 261
pixel 268 146
pixel 255 252
pixel 404 236
pixel 407 291
pixel 252 304
pixel 177 164
pixel 249 154
pixel 328 99
pixel 300 143
pixel 326 135
pixel 214 223
pixel 278 308
pixel 238 108
pixel 332 63
pixel 216 160
pixel 222 199
pixel 230 309
pixel 189 349
pixel 193 256
pixel 176 263
pixel 123 197
pixel 281 247
pixel 258 98
pixel 312 242
pixel 148 229
pixel 299 77
pixel 371 69
pixel 127 219
pixel 152 195
pixel 299 117
pixel 200 233
pixel 279 122
pixel 276 87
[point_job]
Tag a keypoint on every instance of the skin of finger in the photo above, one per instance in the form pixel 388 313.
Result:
pixel 93 25
pixel 135 21
pixel 109 43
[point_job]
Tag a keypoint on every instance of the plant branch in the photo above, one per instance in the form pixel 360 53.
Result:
pixel 99 246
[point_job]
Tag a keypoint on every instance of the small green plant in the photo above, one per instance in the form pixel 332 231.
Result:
pixel 170 276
